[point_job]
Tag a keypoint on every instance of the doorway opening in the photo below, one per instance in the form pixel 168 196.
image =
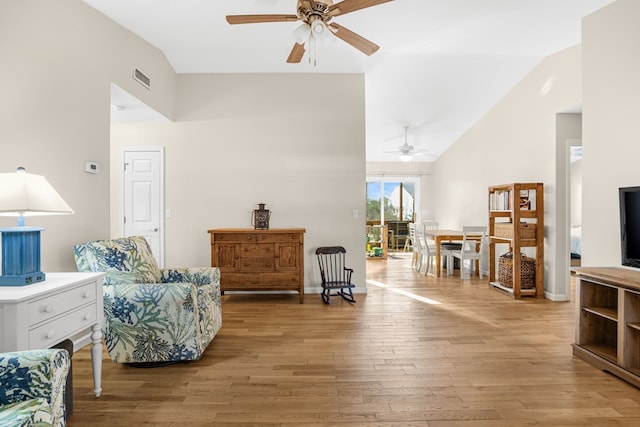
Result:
pixel 393 203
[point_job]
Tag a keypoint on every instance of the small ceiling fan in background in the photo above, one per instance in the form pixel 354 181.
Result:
pixel 406 152
pixel 316 26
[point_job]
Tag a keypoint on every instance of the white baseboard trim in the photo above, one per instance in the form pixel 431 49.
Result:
pixel 556 297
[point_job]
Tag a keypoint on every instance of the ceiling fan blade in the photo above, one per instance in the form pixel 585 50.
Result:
pixel 296 54
pixel 255 19
pixel 347 6
pixel 355 40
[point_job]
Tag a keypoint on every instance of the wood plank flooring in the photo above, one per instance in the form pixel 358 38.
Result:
pixel 415 351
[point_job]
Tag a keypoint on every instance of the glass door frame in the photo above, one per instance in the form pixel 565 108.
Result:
pixel 415 180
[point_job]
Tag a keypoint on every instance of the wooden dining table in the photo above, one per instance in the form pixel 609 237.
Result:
pixel 440 236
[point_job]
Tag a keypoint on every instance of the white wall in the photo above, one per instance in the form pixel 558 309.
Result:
pixel 514 142
pixel 576 193
pixel 242 139
pixel 58 61
pixel 611 108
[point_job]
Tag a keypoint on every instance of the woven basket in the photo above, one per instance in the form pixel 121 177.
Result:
pixel 527 271
pixel 526 230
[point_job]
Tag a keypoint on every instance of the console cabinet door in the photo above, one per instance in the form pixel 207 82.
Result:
pixel 287 256
pixel 226 256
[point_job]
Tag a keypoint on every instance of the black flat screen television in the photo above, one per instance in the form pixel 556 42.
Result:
pixel 630 226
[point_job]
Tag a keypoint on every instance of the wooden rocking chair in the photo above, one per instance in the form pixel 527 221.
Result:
pixel 335 276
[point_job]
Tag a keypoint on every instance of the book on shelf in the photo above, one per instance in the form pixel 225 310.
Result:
pixel 500 200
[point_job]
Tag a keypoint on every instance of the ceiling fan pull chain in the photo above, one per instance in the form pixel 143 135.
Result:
pixel 313 51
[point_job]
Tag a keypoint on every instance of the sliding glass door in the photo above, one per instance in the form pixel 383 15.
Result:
pixel 391 199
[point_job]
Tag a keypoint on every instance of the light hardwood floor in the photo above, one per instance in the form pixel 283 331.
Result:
pixel 415 351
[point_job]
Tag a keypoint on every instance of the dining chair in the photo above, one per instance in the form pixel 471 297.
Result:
pixel 421 250
pixel 429 250
pixel 429 224
pixel 469 252
pixel 410 243
pixel 428 254
pixel 446 248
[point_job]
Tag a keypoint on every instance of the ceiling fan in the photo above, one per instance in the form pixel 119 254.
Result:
pixel 316 26
pixel 406 151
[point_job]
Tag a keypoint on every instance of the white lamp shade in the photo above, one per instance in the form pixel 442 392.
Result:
pixel 405 157
pixel 301 34
pixel 25 194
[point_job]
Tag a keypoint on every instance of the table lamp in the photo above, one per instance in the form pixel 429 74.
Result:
pixel 23 194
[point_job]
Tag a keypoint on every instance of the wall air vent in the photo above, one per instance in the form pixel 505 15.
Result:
pixel 141 77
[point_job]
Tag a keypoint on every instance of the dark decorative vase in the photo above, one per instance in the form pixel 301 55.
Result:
pixel 260 218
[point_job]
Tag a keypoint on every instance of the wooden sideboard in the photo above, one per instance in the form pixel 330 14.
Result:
pixel 259 260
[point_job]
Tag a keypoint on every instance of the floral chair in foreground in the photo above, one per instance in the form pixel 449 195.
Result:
pixel 32 386
pixel 151 314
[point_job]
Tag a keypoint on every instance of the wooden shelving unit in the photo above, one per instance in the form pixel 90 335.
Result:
pixel 377 237
pixel 608 320
pixel 508 205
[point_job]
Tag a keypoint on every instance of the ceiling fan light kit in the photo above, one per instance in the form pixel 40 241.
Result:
pixel 316 27
pixel 301 34
pixel 407 152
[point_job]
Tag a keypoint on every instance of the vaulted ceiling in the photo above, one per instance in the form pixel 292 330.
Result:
pixel 442 64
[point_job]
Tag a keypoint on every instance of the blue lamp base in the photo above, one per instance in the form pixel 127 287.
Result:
pixel 21 256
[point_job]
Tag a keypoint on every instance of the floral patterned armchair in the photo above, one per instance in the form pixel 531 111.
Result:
pixel 32 386
pixel 151 314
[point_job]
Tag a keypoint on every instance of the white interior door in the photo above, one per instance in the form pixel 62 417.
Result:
pixel 143 197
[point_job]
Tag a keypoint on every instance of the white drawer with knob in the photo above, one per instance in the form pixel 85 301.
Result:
pixel 46 308
pixel 63 306
pixel 55 331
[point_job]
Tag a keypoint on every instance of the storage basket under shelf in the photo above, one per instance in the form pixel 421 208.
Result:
pixel 527 271
pixel 526 230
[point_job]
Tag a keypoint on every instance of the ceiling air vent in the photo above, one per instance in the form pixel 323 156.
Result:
pixel 142 78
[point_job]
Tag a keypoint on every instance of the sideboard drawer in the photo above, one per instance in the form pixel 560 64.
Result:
pixel 233 237
pixel 279 237
pixel 257 264
pixel 53 332
pixel 55 305
pixel 251 250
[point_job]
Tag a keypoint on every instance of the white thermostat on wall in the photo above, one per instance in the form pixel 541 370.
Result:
pixel 92 167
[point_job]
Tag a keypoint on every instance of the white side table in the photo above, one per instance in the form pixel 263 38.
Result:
pixel 64 306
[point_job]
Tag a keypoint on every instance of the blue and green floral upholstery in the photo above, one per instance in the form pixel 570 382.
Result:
pixel 152 314
pixel 32 387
